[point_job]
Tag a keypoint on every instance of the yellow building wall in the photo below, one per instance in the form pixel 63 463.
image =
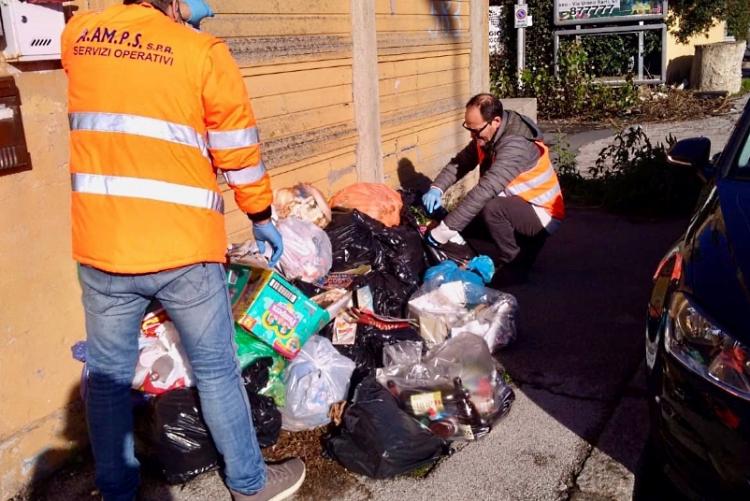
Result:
pixel 296 58
pixel 680 55
pixel 40 311
pixel 424 49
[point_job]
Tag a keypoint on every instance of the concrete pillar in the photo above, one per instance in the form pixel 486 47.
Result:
pixel 366 94
pixel 479 77
pixel 717 67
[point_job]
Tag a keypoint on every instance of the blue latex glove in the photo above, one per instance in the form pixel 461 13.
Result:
pixel 266 233
pixel 478 271
pixel 432 199
pixel 482 266
pixel 198 10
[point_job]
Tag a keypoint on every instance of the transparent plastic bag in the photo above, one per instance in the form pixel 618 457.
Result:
pixel 303 201
pixel 318 377
pixel 445 308
pixel 308 254
pixel 456 390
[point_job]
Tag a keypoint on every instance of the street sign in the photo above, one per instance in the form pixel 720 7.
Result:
pixel 522 17
pixel 496 19
pixel 607 11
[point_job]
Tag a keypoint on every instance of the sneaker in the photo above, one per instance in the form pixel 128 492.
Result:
pixel 282 480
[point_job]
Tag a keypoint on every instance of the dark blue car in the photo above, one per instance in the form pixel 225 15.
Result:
pixel 698 333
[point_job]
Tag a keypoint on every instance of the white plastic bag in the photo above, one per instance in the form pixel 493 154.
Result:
pixel 318 377
pixel 162 362
pixel 307 250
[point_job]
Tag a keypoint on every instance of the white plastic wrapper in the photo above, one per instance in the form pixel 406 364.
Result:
pixel 162 362
pixel 307 250
pixel 318 377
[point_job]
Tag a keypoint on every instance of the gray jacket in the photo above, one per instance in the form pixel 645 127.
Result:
pixel 511 153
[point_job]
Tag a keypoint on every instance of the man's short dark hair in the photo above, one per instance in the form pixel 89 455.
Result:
pixel 489 106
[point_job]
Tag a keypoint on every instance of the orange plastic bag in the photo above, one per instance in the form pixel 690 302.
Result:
pixel 378 201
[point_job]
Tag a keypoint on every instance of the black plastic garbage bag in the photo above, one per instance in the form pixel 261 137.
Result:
pixel 359 239
pixel 352 242
pixel 174 438
pixel 396 256
pixel 405 253
pixel 368 348
pixel 255 376
pixel 390 296
pixel 380 440
pixel 460 253
pixel 266 416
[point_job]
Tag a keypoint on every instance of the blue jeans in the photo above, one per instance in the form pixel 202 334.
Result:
pixel 196 299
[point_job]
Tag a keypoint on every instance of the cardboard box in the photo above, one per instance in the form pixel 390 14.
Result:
pixel 272 309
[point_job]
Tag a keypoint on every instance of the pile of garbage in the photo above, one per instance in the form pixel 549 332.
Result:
pixel 361 327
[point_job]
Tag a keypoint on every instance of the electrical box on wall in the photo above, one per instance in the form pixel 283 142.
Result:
pixel 31 29
pixel 14 155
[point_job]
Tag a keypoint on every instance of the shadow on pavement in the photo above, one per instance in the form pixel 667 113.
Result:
pixel 581 328
pixel 62 475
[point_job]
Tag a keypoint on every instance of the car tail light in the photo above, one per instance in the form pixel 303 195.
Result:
pixel 675 259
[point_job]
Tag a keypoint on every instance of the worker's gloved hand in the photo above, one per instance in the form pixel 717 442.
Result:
pixel 432 199
pixel 442 234
pixel 266 233
pixel 199 9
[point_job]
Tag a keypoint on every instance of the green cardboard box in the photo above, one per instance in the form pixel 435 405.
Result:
pixel 267 306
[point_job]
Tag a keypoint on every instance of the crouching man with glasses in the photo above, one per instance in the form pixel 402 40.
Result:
pixel 517 202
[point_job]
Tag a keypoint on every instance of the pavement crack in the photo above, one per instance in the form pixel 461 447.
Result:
pixel 572 480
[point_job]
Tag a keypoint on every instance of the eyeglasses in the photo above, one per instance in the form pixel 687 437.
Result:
pixel 475 132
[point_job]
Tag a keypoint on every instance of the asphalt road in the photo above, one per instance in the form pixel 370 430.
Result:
pixel 579 421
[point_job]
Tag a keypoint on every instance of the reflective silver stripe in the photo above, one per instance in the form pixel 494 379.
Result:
pixel 150 189
pixel 245 176
pixel 546 196
pixel 230 139
pixel 138 126
pixel 532 183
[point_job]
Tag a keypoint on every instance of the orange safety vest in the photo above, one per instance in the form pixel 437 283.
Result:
pixel 155 109
pixel 539 185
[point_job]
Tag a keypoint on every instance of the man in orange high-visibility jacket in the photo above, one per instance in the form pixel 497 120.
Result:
pixel 517 197
pixel 156 109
